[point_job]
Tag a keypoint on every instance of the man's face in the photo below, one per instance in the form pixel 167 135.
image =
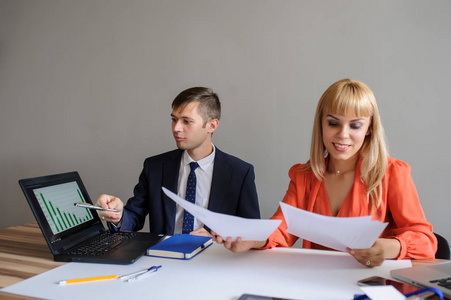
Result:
pixel 188 128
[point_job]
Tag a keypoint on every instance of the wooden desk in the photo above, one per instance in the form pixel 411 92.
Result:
pixel 24 254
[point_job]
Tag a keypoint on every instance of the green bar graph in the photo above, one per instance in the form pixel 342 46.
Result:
pixel 67 220
pixel 48 210
pixel 83 200
pixel 57 203
pixel 52 208
pixel 71 220
pixel 62 219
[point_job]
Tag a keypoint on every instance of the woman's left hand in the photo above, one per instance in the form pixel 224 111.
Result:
pixel 382 249
pixel 371 257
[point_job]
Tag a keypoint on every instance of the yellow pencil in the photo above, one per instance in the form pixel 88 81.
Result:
pixel 88 279
pixel 127 277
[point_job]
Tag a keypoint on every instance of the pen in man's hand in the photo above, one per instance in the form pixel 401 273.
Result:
pixel 90 206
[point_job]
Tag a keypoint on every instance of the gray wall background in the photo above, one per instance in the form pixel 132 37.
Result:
pixel 87 85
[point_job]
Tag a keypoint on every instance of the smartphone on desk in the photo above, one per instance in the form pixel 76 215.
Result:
pixel 404 288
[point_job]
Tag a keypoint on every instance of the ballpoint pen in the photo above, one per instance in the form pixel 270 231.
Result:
pixel 127 278
pixel 91 206
pixel 140 274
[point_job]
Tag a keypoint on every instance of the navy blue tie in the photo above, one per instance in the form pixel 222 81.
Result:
pixel 188 219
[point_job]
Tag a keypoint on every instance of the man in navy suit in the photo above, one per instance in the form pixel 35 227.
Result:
pixel 225 184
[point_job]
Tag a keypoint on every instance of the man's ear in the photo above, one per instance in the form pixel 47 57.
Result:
pixel 212 124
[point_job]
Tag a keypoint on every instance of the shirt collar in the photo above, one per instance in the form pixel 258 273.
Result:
pixel 203 163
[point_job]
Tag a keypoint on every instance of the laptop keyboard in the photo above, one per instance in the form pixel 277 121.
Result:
pixel 102 244
pixel 445 282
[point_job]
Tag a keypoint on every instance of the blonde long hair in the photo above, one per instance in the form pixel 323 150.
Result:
pixel 351 97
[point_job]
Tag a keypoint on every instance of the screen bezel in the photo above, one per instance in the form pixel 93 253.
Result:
pixel 65 239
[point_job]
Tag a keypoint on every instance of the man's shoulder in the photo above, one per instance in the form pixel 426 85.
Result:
pixel 231 159
pixel 173 154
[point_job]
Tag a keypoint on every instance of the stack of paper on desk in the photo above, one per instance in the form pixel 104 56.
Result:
pixel 333 232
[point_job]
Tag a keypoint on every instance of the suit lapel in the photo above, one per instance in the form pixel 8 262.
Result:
pixel 221 178
pixel 170 169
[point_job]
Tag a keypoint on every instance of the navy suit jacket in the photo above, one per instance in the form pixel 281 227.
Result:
pixel 232 192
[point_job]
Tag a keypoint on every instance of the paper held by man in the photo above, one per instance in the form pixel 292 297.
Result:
pixel 227 225
pixel 332 232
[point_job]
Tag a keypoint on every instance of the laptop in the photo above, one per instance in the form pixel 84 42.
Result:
pixel 76 234
pixel 435 275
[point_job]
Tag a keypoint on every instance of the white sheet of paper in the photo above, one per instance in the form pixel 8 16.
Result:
pixel 289 273
pixel 333 232
pixel 383 292
pixel 227 225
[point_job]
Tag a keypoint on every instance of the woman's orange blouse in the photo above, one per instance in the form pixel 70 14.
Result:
pixel 400 207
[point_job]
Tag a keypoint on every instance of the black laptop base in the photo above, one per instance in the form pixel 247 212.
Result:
pixel 124 253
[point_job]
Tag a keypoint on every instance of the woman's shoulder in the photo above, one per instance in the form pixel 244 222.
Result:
pixel 300 170
pixel 394 164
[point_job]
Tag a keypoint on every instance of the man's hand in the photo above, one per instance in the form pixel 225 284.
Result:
pixel 201 231
pixel 108 202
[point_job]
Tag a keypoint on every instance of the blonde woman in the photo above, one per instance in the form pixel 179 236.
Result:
pixel 349 174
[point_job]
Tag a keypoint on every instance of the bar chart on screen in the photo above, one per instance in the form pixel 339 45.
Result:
pixel 57 203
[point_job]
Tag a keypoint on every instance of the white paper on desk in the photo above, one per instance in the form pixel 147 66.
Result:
pixel 226 225
pixel 383 292
pixel 333 232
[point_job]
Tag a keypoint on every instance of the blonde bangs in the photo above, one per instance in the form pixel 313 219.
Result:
pixel 353 99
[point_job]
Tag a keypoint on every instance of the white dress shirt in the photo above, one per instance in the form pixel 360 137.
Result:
pixel 204 175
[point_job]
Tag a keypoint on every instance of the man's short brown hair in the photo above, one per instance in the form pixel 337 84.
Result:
pixel 209 105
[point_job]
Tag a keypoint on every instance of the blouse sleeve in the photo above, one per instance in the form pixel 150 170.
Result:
pixel 410 226
pixel 280 237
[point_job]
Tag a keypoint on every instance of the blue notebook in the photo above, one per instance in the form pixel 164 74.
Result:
pixel 180 246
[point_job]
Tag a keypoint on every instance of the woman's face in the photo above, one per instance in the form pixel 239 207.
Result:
pixel 343 136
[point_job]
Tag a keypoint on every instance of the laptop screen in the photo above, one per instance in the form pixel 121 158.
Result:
pixel 57 204
pixel 52 199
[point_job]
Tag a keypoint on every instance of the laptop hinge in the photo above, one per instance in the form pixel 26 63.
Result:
pixel 74 240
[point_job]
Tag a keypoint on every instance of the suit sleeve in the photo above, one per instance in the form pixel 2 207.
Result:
pixel 137 207
pixel 410 226
pixel 248 206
